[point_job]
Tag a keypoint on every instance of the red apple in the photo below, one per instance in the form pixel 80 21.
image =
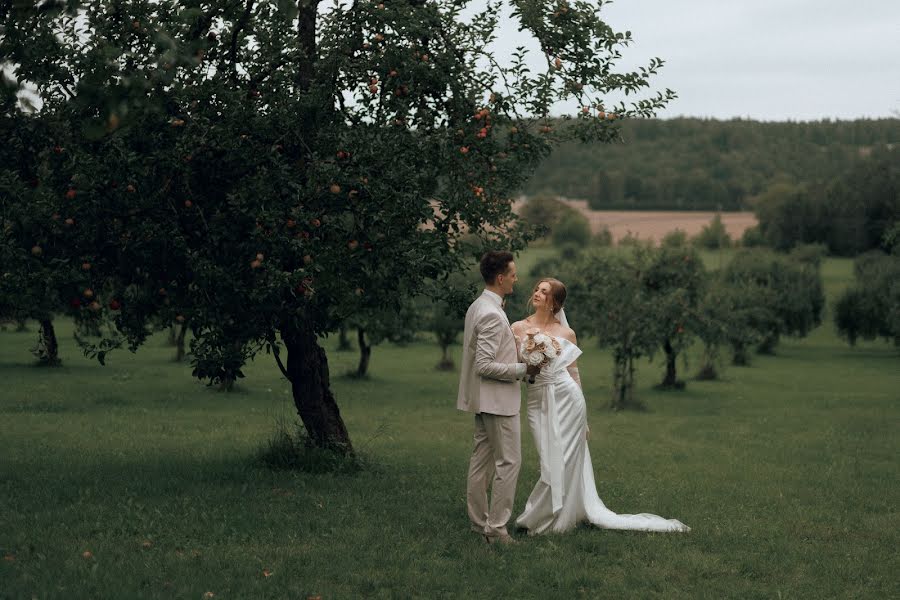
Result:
pixel 188 204
pixel 86 266
pixel 114 304
pixel 70 195
pixel 36 250
pixel 335 188
pixel 353 244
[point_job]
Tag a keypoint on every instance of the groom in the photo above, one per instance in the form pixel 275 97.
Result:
pixel 487 387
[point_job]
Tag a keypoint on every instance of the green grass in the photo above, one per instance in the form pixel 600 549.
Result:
pixel 786 471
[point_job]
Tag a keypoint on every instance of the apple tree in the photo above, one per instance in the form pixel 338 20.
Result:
pixel 610 301
pixel 676 279
pixel 267 169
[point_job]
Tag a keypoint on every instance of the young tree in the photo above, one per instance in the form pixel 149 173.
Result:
pixel 793 294
pixel 714 235
pixel 609 299
pixel 572 230
pixel 870 308
pixel 544 213
pixel 266 170
pixel 445 315
pixel 730 314
pixel 397 322
pixel 675 279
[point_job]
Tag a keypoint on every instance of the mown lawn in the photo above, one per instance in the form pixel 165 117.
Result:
pixel 786 470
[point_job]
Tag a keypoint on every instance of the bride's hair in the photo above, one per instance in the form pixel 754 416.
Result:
pixel 557 293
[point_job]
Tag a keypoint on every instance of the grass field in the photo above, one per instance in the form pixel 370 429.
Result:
pixel 786 470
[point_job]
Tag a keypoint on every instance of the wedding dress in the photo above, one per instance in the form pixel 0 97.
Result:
pixel 566 493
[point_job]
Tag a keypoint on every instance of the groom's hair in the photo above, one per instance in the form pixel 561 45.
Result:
pixel 493 263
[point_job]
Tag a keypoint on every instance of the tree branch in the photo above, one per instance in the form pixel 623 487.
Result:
pixel 238 27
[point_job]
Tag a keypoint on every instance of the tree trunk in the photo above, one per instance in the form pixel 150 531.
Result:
pixel 179 343
pixel 767 346
pixel 365 352
pixel 630 382
pixel 708 372
pixel 670 381
pixel 741 359
pixel 671 373
pixel 343 340
pixel 307 369
pixel 623 382
pixel 47 350
pixel 21 325
pixel 172 338
pixel 446 363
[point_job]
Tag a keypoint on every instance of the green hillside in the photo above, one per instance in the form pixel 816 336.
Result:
pixel 699 164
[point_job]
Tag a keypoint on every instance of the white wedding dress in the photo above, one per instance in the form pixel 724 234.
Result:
pixel 566 493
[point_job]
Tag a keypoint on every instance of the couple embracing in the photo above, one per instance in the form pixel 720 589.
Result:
pixel 492 368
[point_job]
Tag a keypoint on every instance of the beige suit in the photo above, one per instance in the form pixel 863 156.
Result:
pixel 488 387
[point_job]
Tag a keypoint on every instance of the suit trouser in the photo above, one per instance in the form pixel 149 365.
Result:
pixel 498 455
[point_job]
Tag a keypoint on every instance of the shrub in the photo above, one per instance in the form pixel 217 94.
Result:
pixel 603 238
pixel 752 237
pixel 674 239
pixel 545 213
pixel 572 230
pixel 714 235
pixel 870 308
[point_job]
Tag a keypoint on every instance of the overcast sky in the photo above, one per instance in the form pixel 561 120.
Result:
pixel 770 60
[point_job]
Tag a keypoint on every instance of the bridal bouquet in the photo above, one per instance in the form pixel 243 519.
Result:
pixel 538 349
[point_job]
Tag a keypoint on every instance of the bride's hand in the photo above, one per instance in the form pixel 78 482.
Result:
pixel 587 432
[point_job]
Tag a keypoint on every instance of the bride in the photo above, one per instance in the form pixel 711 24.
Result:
pixel 566 493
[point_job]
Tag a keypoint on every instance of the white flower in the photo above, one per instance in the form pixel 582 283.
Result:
pixel 550 351
pixel 534 359
pixel 541 338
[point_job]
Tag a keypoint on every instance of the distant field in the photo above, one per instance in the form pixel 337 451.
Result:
pixel 656 224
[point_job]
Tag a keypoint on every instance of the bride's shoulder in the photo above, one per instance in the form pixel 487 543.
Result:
pixel 568 334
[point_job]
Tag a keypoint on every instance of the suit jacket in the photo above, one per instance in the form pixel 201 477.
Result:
pixel 489 374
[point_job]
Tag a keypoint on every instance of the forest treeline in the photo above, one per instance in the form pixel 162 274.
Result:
pixel 702 164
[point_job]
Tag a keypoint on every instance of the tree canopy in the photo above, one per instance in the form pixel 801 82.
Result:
pixel 265 169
